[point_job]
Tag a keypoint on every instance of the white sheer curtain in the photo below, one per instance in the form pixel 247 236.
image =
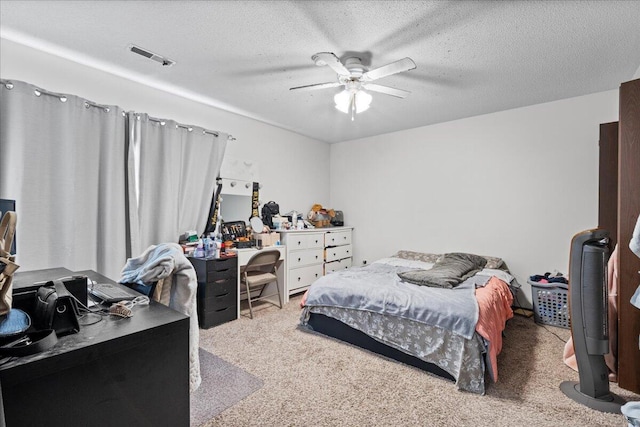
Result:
pixel 172 171
pixel 62 158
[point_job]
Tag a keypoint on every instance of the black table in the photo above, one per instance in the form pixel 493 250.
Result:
pixel 118 371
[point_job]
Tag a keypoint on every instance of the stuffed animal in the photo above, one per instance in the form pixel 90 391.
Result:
pixel 320 217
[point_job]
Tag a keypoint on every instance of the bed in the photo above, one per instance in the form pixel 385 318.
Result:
pixel 451 325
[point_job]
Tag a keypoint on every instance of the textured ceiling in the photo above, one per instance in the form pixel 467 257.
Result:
pixel 472 57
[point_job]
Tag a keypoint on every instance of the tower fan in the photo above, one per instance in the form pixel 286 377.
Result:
pixel 589 326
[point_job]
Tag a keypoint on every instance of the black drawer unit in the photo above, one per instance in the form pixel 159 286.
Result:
pixel 217 290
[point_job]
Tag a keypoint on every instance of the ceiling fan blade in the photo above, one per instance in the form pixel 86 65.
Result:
pixel 328 58
pixel 317 86
pixel 400 66
pixel 398 93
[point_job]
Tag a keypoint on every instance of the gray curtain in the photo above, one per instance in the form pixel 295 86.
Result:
pixel 172 171
pixel 62 158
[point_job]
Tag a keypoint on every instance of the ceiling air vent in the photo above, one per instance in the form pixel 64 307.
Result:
pixel 154 56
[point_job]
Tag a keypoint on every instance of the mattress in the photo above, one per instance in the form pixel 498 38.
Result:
pixel 430 333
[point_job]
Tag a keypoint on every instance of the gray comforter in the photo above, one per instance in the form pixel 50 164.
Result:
pixel 448 271
pixel 377 288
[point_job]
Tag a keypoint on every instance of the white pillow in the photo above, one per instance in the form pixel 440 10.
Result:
pixel 500 274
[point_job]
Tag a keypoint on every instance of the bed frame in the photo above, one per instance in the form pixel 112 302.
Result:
pixel 336 329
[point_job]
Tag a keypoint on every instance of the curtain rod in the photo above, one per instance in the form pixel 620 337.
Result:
pixel 105 108
pixel 190 128
pixel 63 98
pixel 38 91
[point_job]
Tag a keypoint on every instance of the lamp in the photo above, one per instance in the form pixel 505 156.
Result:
pixel 352 100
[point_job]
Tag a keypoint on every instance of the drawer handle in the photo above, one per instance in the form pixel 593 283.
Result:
pixel 316 274
pixel 347 251
pixel 299 278
pixel 233 183
pixel 334 254
pixel 222 295
pixel 299 259
pixel 299 243
pixel 316 256
pixel 344 237
pixel 223 309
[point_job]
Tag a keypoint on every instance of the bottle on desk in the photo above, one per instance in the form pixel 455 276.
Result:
pixel 199 251
pixel 209 247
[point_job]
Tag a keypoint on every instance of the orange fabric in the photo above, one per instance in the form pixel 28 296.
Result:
pixel 494 303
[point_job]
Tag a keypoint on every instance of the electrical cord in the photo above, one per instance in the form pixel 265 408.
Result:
pixel 122 308
pixel 554 334
pixel 519 306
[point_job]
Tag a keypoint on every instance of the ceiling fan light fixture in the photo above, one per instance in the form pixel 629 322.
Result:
pixel 354 77
pixel 349 102
pixel 343 101
pixel 363 101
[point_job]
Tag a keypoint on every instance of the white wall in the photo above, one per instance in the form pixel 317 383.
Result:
pixel 517 184
pixel 292 167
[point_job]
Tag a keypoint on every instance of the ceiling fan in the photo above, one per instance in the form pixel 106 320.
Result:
pixel 355 78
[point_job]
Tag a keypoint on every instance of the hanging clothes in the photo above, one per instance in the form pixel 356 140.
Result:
pixel 634 245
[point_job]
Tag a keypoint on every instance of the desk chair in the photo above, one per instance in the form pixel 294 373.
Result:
pixel 260 271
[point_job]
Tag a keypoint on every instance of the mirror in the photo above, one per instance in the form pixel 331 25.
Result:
pixel 235 208
pixel 256 224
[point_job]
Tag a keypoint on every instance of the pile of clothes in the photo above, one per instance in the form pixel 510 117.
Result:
pixel 549 278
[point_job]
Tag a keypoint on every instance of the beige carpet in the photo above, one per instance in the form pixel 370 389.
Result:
pixel 313 380
pixel 210 398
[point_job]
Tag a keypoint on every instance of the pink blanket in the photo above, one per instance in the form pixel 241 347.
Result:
pixel 494 302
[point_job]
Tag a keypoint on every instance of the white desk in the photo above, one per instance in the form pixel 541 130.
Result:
pixel 243 257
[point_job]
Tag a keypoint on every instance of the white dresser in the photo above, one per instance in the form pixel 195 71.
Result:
pixel 313 253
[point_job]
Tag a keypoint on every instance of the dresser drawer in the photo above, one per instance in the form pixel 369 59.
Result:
pixel 303 276
pixel 342 264
pixel 210 318
pixel 304 241
pixel 204 268
pixel 337 238
pixel 221 264
pixel 218 302
pixel 217 276
pixel 339 252
pixel 218 289
pixel 306 257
